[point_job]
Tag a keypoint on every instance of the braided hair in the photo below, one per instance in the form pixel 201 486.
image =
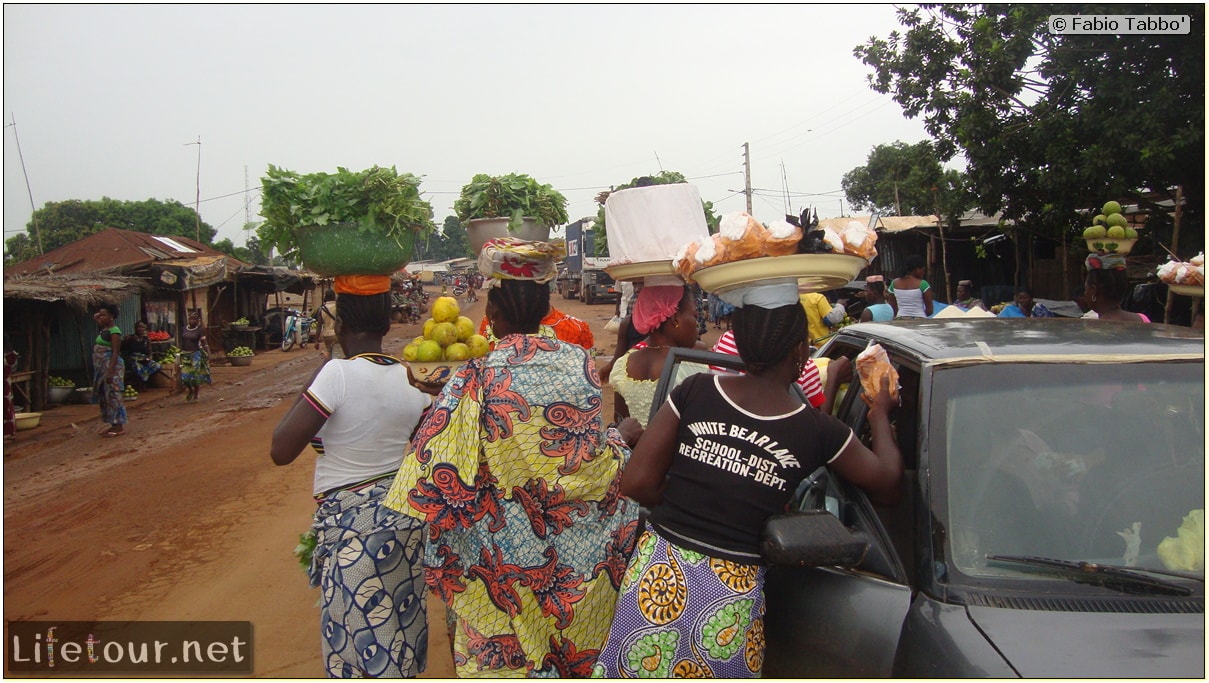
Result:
pixel 364 313
pixel 764 336
pixel 1110 283
pixel 521 302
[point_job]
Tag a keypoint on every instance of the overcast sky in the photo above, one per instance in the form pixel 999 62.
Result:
pixel 107 98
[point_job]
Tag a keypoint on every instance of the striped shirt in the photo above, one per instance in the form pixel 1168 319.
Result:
pixel 809 380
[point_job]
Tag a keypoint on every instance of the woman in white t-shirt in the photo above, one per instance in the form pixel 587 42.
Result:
pixel 359 413
pixel 911 295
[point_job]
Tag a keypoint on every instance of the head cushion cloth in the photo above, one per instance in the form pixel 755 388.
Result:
pixel 655 305
pixel 509 258
pixel 764 296
pixel 362 285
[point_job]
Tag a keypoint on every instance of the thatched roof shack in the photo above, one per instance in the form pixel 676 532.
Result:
pixel 81 291
pixel 39 309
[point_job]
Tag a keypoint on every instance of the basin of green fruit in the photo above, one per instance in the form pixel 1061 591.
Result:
pixel 1110 232
pixel 130 393
pixel 60 390
pixel 448 341
pixel 241 356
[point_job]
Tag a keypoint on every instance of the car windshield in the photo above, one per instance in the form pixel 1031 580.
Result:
pixel 1081 462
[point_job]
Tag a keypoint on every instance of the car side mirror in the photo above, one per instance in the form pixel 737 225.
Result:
pixel 811 538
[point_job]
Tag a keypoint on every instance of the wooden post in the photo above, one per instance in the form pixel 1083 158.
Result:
pixel 1175 249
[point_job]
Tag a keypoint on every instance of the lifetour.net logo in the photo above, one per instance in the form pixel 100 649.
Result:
pixel 81 647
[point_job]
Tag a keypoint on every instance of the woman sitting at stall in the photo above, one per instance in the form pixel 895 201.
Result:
pixel 137 350
pixel 1025 307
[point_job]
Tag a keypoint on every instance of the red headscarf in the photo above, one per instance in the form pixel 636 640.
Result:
pixel 655 305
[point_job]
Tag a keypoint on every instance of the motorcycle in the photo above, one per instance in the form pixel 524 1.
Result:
pixel 299 329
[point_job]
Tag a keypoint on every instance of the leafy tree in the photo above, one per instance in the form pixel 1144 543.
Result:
pixel 662 178
pixel 897 179
pixel 19 248
pixel 248 254
pixel 451 241
pixel 457 241
pixel 1051 124
pixel 68 221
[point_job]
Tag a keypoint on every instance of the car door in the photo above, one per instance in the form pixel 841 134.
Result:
pixel 838 622
pixel 831 621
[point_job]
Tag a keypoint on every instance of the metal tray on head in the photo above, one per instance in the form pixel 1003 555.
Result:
pixel 812 272
pixel 1188 290
pixel 639 270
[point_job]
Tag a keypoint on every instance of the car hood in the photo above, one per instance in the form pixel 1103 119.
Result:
pixel 1045 644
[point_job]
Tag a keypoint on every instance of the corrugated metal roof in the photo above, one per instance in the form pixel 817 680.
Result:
pixel 113 250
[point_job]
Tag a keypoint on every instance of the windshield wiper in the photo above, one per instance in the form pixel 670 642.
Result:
pixel 1130 579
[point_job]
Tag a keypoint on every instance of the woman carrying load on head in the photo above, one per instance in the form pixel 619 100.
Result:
pixel 724 453
pixel 667 314
pixel 518 481
pixel 109 370
pixel 359 413
pixel 1106 286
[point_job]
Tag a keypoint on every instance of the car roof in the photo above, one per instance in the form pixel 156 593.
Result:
pixel 980 338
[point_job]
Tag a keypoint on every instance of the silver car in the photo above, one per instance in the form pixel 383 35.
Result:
pixel 1052 523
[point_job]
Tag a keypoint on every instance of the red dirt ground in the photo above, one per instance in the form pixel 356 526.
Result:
pixel 186 517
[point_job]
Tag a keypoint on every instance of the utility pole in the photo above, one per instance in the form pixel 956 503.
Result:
pixel 197 201
pixel 247 200
pixel 32 219
pixel 747 175
pixel 898 207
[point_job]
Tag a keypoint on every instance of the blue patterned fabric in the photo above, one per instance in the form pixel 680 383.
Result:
pixel 368 564
pixel 195 368
pixel 107 389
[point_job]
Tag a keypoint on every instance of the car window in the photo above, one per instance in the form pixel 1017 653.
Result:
pixel 897 522
pixel 682 363
pixel 1082 462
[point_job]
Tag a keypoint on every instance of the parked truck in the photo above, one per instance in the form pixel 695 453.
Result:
pixel 582 275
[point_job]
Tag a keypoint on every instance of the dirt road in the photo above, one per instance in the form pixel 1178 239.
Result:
pixel 185 517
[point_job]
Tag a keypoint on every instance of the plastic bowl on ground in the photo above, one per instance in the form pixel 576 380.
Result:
pixel 27 420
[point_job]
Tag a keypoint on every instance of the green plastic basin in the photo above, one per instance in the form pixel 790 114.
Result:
pixel 342 249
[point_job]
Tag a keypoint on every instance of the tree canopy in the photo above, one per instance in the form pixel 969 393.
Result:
pixel 897 179
pixel 1051 124
pixel 450 242
pixel 65 222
